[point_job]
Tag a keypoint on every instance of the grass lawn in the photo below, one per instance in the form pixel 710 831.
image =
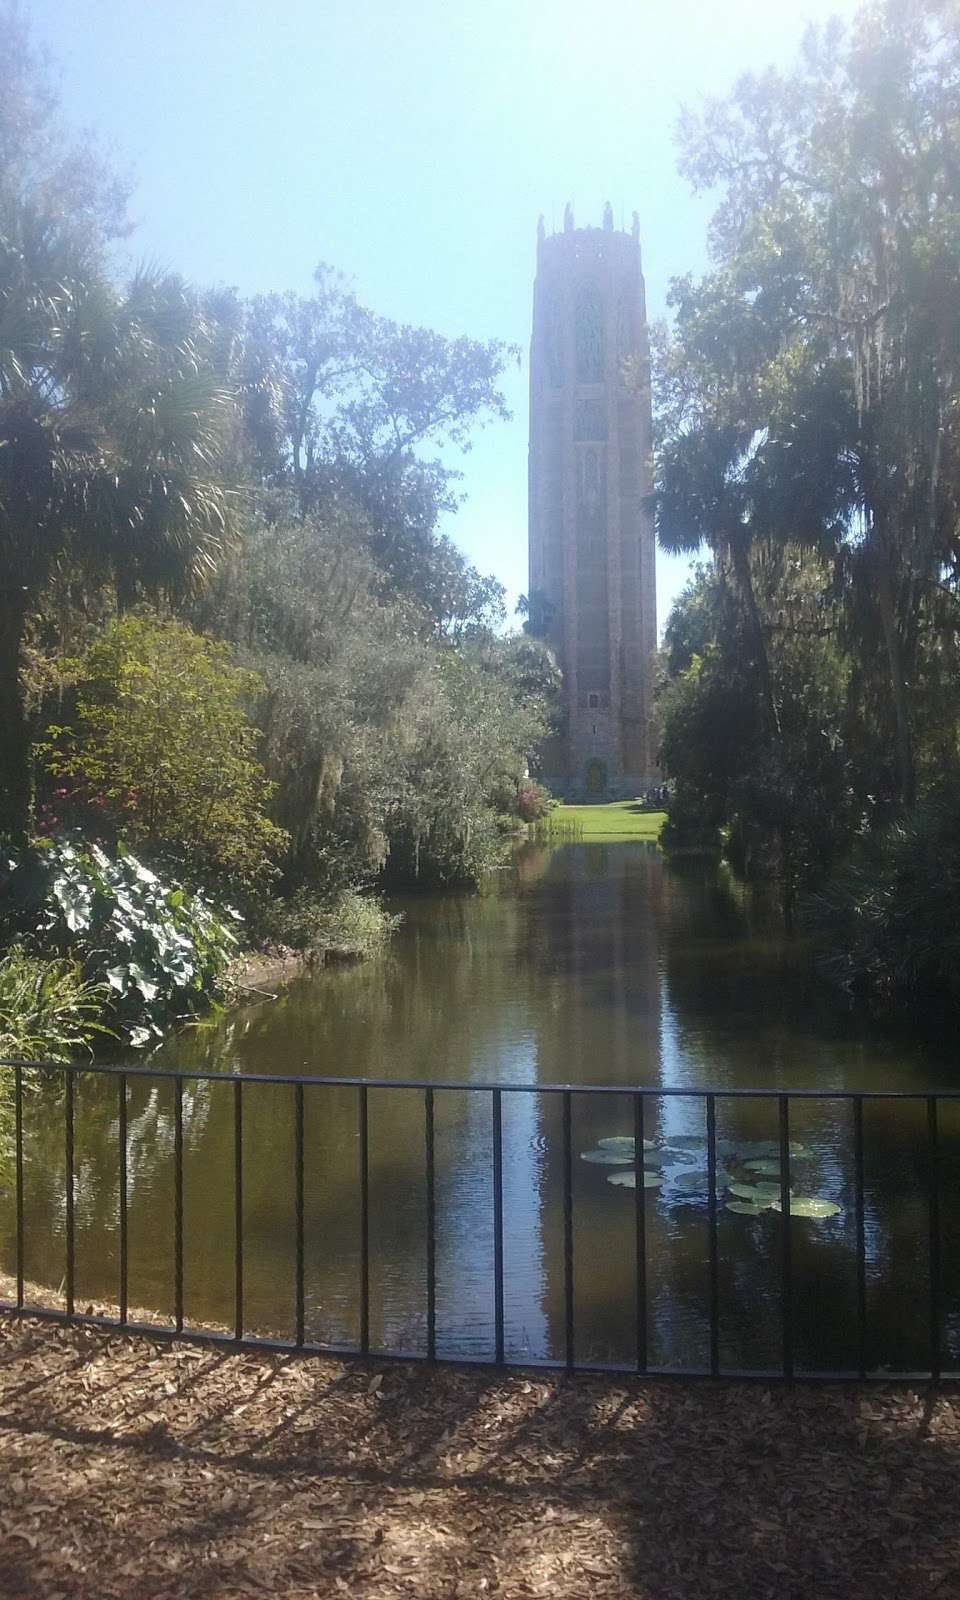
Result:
pixel 623 819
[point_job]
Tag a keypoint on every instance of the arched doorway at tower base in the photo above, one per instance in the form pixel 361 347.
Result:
pixel 595 779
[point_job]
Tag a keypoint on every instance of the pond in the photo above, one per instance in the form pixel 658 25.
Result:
pixel 580 963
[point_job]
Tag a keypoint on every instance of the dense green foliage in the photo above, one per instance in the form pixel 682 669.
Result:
pixel 158 953
pixel 392 748
pixel 340 926
pixel 49 1011
pixel 234 633
pixel 113 416
pixel 887 924
pixel 161 751
pixel 809 436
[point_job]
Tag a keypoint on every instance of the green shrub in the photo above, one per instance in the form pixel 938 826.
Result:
pixel 160 951
pixel 49 1011
pixel 352 924
pixel 162 754
pixel 888 925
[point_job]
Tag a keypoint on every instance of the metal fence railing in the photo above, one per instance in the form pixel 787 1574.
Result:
pixel 928 1313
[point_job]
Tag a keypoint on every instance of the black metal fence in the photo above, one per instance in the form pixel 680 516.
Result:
pixel 929 1312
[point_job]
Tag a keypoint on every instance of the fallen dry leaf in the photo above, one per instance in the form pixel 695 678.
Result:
pixel 300 1479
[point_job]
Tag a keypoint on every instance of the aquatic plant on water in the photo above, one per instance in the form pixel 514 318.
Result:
pixel 751 1184
pixel 628 1180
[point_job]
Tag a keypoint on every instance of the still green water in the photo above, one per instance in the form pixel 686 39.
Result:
pixel 581 963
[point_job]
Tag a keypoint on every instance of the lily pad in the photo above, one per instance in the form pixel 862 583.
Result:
pixel 744 1208
pixel 761 1195
pixel 623 1141
pixel 810 1205
pixel 607 1158
pixel 692 1181
pixel 763 1168
pixel 628 1180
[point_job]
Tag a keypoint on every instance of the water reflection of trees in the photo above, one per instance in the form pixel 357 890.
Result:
pixel 597 963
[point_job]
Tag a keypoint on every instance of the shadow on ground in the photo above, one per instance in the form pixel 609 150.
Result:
pixel 136 1471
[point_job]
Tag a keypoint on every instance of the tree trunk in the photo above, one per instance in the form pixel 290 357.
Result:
pixel 903 733
pixel 741 567
pixel 14 733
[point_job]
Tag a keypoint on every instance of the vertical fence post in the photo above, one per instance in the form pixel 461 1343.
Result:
pixel 786 1257
pixel 122 1190
pixel 18 1161
pixel 431 1226
pixel 69 1187
pixel 870 1346
pixel 364 1221
pixel 713 1241
pixel 936 1264
pixel 238 1207
pixel 569 1350
pixel 640 1233
pixel 861 1236
pixel 497 1111
pixel 298 1204
pixel 178 1202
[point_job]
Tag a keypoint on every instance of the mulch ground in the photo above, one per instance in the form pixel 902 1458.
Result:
pixel 133 1469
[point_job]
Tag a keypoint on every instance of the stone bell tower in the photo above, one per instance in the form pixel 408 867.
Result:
pixel 592 586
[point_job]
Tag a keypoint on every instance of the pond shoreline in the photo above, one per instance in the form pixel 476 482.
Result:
pixel 265 973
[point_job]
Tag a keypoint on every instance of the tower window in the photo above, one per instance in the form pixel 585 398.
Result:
pixel 589 334
pixel 593 701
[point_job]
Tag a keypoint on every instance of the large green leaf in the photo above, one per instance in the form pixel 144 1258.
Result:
pixel 628 1180
pixel 810 1205
pixel 623 1141
pixel 760 1195
pixel 691 1182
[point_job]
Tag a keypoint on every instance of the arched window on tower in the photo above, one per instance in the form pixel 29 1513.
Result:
pixel 588 475
pixel 626 327
pixel 589 334
pixel 553 342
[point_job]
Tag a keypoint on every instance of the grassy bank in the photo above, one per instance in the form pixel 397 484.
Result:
pixel 623 819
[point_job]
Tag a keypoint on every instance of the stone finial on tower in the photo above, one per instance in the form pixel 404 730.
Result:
pixel 636 224
pixel 541 229
pixel 568 218
pixel 608 218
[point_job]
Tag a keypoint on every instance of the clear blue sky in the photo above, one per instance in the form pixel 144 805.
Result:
pixel 412 145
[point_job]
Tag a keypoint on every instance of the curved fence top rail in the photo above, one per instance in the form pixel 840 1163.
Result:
pixel 352 1081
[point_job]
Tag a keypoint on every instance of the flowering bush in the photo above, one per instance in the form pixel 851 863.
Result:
pixel 533 800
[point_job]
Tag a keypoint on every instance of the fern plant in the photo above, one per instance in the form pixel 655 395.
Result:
pixel 48 1010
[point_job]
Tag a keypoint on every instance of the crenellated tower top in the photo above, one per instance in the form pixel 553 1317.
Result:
pixel 587 243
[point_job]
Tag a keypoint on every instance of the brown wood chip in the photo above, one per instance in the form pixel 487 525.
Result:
pixel 129 1470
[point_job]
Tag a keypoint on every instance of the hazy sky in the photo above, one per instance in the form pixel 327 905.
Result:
pixel 412 145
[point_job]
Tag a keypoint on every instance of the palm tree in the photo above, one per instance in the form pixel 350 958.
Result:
pixel 112 423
